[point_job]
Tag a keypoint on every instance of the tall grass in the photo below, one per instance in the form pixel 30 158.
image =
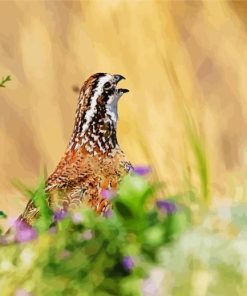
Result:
pixel 172 53
pixel 185 64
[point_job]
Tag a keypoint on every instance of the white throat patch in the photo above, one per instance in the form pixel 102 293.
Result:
pixel 111 108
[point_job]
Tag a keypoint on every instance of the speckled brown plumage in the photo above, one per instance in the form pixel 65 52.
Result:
pixel 93 160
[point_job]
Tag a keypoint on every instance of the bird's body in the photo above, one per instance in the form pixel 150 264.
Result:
pixel 93 160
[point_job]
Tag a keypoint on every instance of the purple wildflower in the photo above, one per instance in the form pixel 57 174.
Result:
pixel 107 194
pixel 128 263
pixel 59 215
pixel 108 213
pixel 167 206
pixel 141 170
pixel 77 218
pixel 24 232
pixel 26 235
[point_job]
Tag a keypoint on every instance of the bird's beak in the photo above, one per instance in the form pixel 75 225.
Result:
pixel 117 78
pixel 123 90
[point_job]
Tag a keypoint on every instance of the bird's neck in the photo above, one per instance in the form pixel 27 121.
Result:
pixel 95 131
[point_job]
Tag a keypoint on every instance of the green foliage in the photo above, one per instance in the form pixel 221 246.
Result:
pixel 211 257
pixel 142 249
pixel 4 80
pixel 86 254
pixel 39 197
pixel 2 215
pixel 198 149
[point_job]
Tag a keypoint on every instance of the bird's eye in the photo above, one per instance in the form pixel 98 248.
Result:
pixel 107 85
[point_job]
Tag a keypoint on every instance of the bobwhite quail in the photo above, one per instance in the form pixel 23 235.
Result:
pixel 93 161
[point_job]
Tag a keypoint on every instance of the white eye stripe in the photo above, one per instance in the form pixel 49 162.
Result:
pixel 92 110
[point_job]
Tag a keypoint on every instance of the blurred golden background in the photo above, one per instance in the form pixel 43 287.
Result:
pixel 175 55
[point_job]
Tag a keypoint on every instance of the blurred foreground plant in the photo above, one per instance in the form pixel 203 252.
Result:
pixel 85 254
pixel 144 247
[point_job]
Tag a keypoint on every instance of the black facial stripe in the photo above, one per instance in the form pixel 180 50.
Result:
pixel 107 85
pixel 109 91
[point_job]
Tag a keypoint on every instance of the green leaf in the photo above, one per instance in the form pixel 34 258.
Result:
pixel 40 200
pixel 134 191
pixel 2 215
pixel 4 80
pixel 123 210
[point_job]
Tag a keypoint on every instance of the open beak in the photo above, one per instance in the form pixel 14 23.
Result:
pixel 123 90
pixel 118 78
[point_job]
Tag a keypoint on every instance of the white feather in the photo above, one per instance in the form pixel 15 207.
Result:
pixel 92 110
